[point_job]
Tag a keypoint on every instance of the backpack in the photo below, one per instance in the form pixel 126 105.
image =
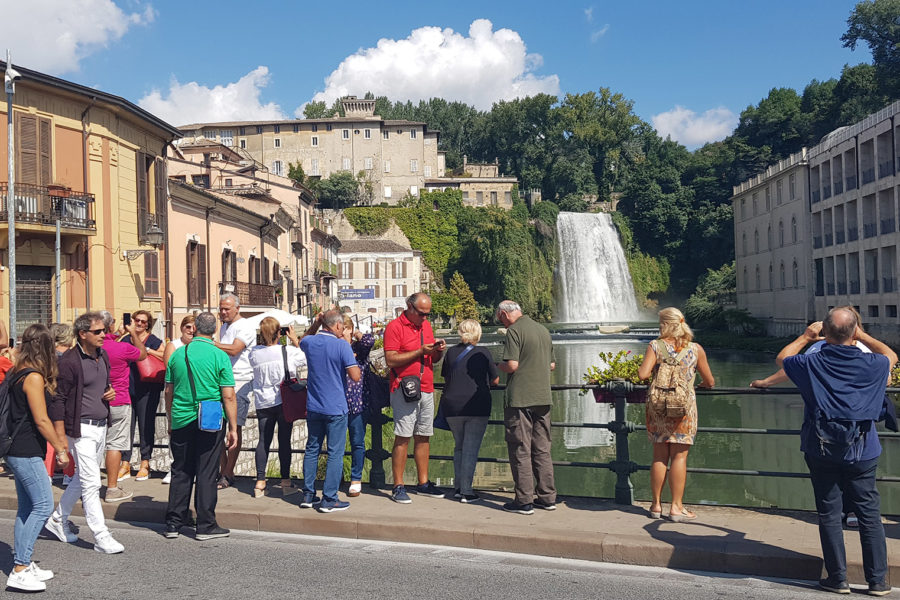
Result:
pixel 840 440
pixel 670 390
pixel 8 432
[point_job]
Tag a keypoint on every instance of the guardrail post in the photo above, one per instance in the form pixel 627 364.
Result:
pixel 377 454
pixel 622 466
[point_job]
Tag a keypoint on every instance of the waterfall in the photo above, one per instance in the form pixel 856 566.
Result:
pixel 593 283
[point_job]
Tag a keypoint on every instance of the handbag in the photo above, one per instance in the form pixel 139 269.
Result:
pixel 151 370
pixel 411 385
pixel 293 393
pixel 209 412
pixel 440 421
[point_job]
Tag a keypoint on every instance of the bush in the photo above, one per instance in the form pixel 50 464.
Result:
pixel 370 220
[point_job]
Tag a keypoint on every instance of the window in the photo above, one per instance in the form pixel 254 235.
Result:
pixel 769 238
pixel 327 126
pixel 314 169
pixel 367 134
pixel 493 198
pixel 412 134
pixel 253 269
pixel 229 265
pixel 399 291
pixel 413 166
pixel 778 194
pixel 743 243
pixel 479 198
pixel 259 129
pixel 413 190
pixel 242 131
pixel 427 170
pixel 781 233
pixel 33 149
pixel 314 127
pixel 277 142
pixel 756 241
pixel 387 166
pixel 367 163
pixel 507 196
pixel 227 136
pixel 196 273
pixel 755 203
pixel 746 280
pixel 890 310
pixel 278 167
pixel 296 129
pixel 345 164
pixel 371 270
pixel 399 270
pixel 771 278
pixel 345 134
pixel 794 230
pixel 346 270
pixel 242 143
pixel 229 182
pixel 385 134
pixel 783 281
pixel 768 199
pixel 796 274
pixel 210 135
pixel 315 141
pixel 387 191
pixel 873 310
pixel 151 275
pixel 743 208
pixel 200 180
pixel 375 289
pixel 276 128
pixel 792 184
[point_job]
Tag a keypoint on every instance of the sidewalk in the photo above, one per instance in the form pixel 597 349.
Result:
pixel 729 540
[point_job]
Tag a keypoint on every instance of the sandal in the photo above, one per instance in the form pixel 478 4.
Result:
pixel 142 475
pixel 683 517
pixel 224 482
pixel 655 514
pixel 259 492
pixel 124 471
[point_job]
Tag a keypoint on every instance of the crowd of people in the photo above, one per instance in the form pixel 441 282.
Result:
pixel 79 403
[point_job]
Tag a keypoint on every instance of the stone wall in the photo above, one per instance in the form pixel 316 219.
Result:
pixel 343 230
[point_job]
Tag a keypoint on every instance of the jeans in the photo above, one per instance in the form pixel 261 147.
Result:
pixel 35 497
pixel 356 426
pixel 88 451
pixel 468 433
pixel 528 441
pixel 144 404
pixel 831 482
pixel 195 458
pixel 267 418
pixel 332 428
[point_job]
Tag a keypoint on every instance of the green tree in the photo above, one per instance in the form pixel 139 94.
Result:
pixel 339 190
pixel 315 110
pixel 466 307
pixel 876 23
pixel 295 172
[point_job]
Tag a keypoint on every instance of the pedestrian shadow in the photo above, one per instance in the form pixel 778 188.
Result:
pixel 732 553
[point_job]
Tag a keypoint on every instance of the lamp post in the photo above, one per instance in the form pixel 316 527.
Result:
pixel 10 84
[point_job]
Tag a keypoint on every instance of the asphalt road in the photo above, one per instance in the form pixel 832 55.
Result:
pixel 250 565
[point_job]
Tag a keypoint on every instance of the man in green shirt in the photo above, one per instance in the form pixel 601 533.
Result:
pixel 528 359
pixel 195 453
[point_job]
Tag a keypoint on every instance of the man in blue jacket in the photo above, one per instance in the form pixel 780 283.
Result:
pixel 843 394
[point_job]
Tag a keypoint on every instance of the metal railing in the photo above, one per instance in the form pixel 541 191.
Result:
pixel 250 294
pixel 44 205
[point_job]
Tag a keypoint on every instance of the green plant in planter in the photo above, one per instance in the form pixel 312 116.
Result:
pixel 621 365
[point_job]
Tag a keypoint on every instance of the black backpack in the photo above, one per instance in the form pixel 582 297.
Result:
pixel 8 432
pixel 840 440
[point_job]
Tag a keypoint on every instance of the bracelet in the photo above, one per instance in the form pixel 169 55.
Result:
pixel 62 454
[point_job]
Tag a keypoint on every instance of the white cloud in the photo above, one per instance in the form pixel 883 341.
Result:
pixel 191 102
pixel 589 14
pixel 693 130
pixel 480 69
pixel 599 33
pixel 54 35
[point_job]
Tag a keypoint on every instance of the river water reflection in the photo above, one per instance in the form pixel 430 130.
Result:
pixel 711 450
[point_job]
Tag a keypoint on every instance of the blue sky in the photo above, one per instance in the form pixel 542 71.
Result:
pixel 690 66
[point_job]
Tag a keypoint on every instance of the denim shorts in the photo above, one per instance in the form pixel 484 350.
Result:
pixel 242 391
pixel 413 418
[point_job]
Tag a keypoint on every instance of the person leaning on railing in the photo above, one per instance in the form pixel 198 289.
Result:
pixel 672 437
pixel 356 404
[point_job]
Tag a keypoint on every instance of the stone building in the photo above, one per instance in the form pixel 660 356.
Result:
pixel 480 184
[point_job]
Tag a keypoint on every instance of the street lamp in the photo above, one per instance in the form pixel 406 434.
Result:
pixel 154 237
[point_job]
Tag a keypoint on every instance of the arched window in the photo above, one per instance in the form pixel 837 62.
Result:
pixel 781 233
pixel 769 238
pixel 746 280
pixel 758 286
pixel 783 283
pixel 771 278
pixel 744 244
pixel 756 241
pixel 794 230
pixel 796 275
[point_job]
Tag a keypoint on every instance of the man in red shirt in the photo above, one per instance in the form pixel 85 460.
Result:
pixel 410 350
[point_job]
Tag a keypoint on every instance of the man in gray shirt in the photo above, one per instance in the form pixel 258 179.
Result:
pixel 80 411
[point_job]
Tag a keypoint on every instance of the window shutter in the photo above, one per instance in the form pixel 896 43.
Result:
pixel 403 293
pixel 191 281
pixel 225 265
pixel 151 274
pixel 141 171
pixel 265 271
pixel 233 272
pixel 201 272
pixel 161 189
pixel 46 146
pixel 27 161
pixel 378 291
pixel 350 269
pixel 403 270
pixel 377 274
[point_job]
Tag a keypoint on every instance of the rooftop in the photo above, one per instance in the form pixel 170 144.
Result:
pixel 372 246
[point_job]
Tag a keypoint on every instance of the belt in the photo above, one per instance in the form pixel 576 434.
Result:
pixel 97 422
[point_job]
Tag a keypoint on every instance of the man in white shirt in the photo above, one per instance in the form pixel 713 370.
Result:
pixel 236 338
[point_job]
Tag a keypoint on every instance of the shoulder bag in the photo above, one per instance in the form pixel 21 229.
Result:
pixel 151 369
pixel 293 393
pixel 209 412
pixel 411 385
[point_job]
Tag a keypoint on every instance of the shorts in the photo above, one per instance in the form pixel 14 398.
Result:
pixel 118 430
pixel 413 418
pixel 243 390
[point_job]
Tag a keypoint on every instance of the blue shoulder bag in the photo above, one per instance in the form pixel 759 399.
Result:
pixel 209 412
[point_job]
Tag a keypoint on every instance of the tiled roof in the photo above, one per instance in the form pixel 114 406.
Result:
pixel 371 246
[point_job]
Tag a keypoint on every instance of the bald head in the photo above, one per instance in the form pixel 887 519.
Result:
pixel 839 326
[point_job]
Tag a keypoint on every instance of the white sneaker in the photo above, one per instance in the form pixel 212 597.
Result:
pixel 106 544
pixel 168 478
pixel 26 581
pixel 60 528
pixel 41 574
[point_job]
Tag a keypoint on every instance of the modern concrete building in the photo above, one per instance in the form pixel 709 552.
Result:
pixel 94 163
pixel 772 249
pixel 846 237
pixel 376 276
pixel 392 158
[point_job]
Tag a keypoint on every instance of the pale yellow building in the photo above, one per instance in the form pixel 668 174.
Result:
pixel 376 276
pixel 95 162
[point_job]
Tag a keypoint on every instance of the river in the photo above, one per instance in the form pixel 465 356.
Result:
pixel 711 450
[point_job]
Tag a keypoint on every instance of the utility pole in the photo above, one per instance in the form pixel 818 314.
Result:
pixel 10 81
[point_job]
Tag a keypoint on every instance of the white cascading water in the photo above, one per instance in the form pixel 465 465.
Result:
pixel 593 283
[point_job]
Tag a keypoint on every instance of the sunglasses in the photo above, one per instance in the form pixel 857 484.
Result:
pixel 141 321
pixel 96 331
pixel 420 313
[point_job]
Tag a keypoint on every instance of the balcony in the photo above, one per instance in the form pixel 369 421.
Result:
pixel 839 236
pixel 888 226
pixel 885 169
pixel 250 294
pixel 871 286
pixel 838 188
pixel 854 287
pixel 826 192
pixel 852 234
pixel 869 230
pixel 868 175
pixel 889 284
pixel 815 196
pixel 44 205
pixel 326 269
pixel 851 182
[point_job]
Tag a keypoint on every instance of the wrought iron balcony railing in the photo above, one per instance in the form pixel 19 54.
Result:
pixel 44 205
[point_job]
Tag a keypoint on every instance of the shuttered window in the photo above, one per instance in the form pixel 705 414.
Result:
pixel 196 273
pixel 151 274
pixel 254 269
pixel 229 266
pixel 265 271
pixel 35 145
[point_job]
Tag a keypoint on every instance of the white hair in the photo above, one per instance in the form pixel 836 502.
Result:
pixel 232 297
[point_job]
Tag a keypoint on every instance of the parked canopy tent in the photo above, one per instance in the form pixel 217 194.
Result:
pixel 284 319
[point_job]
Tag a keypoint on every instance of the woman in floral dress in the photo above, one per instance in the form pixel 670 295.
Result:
pixel 356 424
pixel 672 437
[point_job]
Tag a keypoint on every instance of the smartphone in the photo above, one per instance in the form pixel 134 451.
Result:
pixel 126 319
pixel 284 331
